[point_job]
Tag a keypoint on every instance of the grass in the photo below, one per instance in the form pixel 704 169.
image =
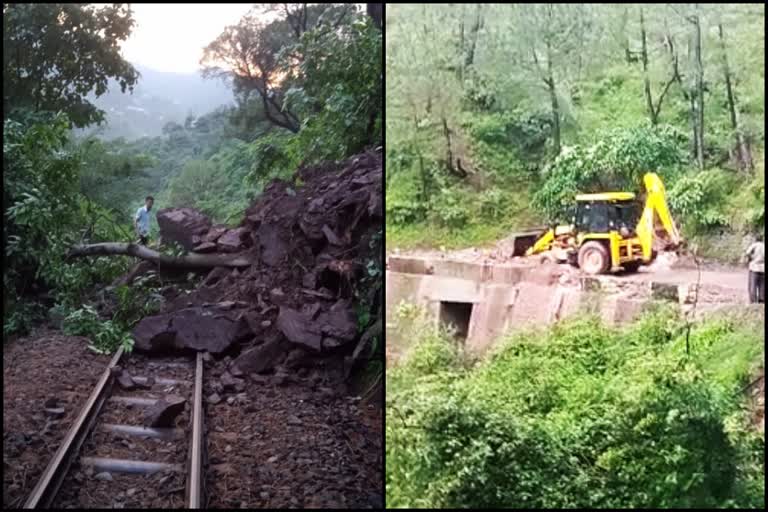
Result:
pixel 426 236
pixel 479 231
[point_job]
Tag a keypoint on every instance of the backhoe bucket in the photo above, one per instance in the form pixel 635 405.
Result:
pixel 524 240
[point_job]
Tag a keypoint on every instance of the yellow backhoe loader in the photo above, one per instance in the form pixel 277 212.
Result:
pixel 608 231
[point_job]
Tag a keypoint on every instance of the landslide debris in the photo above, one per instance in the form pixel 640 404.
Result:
pixel 313 289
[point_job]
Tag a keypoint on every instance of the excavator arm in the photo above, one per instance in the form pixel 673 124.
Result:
pixel 655 207
pixel 544 243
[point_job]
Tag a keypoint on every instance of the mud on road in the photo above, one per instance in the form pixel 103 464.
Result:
pixel 728 282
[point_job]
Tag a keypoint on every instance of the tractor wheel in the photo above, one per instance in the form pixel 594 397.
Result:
pixel 593 258
pixel 631 267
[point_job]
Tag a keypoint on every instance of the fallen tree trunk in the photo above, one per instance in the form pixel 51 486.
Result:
pixel 139 251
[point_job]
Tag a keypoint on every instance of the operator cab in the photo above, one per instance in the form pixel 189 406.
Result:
pixel 602 213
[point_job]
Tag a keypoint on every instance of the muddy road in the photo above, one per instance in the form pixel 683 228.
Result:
pixel 667 268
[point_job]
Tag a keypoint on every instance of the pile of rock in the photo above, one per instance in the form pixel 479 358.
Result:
pixel 311 246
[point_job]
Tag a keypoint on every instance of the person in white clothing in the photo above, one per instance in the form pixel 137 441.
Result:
pixel 141 220
pixel 755 256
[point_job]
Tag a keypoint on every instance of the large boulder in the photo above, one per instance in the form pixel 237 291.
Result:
pixel 211 329
pixel 272 245
pixel 339 322
pixel 214 233
pixel 233 240
pixel 185 226
pixel 299 328
pixel 261 358
pixel 330 329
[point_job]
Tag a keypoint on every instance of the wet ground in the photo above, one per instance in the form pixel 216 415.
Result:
pixel 285 442
pixel 39 370
pixel 292 442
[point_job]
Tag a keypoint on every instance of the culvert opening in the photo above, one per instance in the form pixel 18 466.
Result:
pixel 456 315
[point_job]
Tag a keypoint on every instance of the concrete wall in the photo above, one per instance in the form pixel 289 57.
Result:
pixel 497 308
pixel 508 296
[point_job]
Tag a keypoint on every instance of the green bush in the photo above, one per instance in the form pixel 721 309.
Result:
pixel 106 336
pixel 503 141
pixel 19 317
pixel 700 200
pixel 449 208
pixel 617 161
pixel 45 214
pixel 136 301
pixel 579 416
pixel 405 204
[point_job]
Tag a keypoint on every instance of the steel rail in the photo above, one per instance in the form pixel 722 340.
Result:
pixel 50 482
pixel 194 481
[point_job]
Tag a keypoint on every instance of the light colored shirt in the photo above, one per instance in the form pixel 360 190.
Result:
pixel 142 216
pixel 756 257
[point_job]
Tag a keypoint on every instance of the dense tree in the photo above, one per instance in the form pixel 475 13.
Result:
pixel 247 53
pixel 506 89
pixel 55 54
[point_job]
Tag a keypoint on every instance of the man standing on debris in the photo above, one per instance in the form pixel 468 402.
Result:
pixel 141 220
pixel 755 255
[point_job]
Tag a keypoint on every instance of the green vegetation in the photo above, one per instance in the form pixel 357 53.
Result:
pixel 45 214
pixel 60 190
pixel 498 114
pixel 580 415
pixel 54 54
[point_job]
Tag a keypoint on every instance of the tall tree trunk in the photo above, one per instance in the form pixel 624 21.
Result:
pixel 453 168
pixel 655 110
pixel 742 150
pixel 448 149
pixel 699 91
pixel 625 35
pixel 462 51
pixel 424 179
pixel 553 101
pixel 646 78
pixel 469 59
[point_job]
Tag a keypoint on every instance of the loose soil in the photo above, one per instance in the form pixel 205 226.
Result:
pixel 292 444
pixel 42 366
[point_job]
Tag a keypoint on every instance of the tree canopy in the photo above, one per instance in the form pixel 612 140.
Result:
pixel 55 54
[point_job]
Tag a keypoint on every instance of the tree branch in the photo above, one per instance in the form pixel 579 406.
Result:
pixel 192 260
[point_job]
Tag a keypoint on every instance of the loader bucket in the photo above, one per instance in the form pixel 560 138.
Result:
pixel 523 241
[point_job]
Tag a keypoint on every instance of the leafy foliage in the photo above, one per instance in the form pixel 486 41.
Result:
pixel 45 214
pixel 337 87
pixel 106 336
pixel 700 199
pixel 483 71
pixel 449 209
pixel 579 416
pixel 76 51
pixel 617 161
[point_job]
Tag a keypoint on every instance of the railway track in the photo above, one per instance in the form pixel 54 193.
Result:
pixel 110 458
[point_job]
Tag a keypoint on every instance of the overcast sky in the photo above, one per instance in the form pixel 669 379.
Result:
pixel 171 37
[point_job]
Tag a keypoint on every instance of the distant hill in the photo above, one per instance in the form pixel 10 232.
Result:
pixel 158 98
